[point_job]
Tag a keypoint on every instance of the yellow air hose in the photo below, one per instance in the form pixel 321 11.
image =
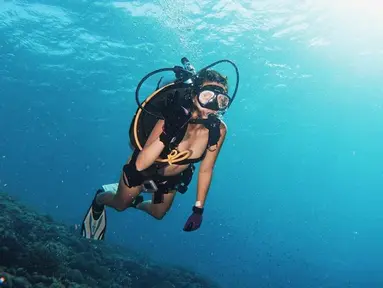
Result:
pixel 174 156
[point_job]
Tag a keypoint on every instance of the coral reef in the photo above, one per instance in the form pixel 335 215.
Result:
pixel 35 251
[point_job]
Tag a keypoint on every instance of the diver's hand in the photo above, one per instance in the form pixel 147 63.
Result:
pixel 195 220
pixel 175 119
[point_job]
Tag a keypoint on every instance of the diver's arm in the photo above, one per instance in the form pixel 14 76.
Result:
pixel 204 179
pixel 205 174
pixel 152 149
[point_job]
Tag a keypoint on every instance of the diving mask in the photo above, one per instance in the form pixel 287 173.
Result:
pixel 213 97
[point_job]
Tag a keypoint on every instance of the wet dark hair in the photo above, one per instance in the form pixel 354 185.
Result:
pixel 213 76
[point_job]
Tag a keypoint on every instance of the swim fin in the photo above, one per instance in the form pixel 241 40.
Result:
pixel 94 224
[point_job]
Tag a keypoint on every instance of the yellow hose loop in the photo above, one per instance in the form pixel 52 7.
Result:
pixel 174 155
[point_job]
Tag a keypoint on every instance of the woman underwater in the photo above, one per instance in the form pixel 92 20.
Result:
pixel 190 131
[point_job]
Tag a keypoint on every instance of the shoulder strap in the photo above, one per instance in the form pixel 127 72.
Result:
pixel 213 124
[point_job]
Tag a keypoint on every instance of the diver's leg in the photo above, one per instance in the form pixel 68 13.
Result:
pixel 159 210
pixel 94 223
pixel 121 199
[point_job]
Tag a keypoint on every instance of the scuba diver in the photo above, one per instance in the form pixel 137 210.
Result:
pixel 178 125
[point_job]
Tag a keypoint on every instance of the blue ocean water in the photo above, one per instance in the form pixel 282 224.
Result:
pixel 296 199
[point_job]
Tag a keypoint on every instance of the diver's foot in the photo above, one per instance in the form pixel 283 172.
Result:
pixel 97 209
pixel 94 223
